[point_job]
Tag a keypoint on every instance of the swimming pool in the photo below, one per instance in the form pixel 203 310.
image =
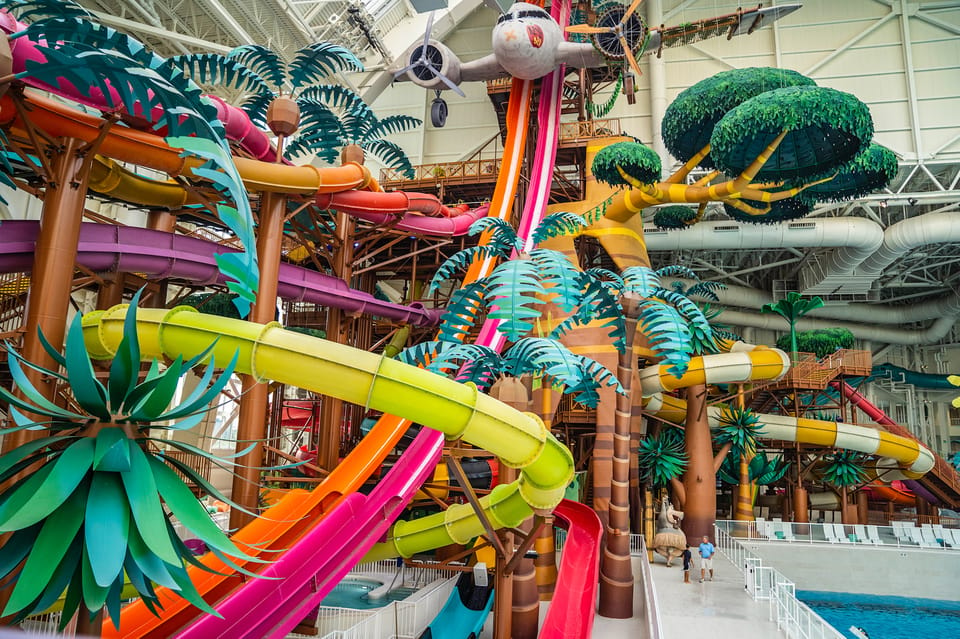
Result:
pixel 352 593
pixel 885 617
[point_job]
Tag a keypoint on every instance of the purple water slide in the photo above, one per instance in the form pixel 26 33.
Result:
pixel 304 574
pixel 105 248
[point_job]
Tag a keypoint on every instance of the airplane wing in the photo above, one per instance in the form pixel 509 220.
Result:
pixel 584 55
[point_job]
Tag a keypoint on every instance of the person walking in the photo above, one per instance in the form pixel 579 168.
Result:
pixel 687 559
pixel 706 558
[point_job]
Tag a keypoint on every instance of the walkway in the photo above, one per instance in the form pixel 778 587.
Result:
pixel 720 609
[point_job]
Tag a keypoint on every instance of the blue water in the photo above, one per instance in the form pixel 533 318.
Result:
pixel 886 617
pixel 352 593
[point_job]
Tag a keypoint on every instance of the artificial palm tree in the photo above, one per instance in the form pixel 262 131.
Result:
pixel 844 469
pixel 116 70
pixel 737 433
pixel 792 308
pixel 662 458
pixel 86 510
pixel 293 99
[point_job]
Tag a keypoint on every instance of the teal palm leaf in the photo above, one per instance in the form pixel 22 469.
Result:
pixel 514 288
pixel 557 224
pixel 640 280
pixel 334 95
pixel 563 282
pixel 264 62
pixel 461 312
pixel 457 262
pixel 668 333
pixel 845 468
pixel 391 154
pixel 502 237
pixel 316 61
pixel 740 427
pixel 212 68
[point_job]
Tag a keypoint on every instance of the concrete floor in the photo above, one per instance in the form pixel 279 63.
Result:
pixel 719 609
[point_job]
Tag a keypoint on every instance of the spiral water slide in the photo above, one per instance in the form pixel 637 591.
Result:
pixel 899 457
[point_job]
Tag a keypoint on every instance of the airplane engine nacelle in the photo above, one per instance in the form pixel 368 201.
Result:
pixel 423 68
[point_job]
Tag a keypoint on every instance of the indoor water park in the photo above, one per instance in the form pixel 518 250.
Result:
pixel 479 319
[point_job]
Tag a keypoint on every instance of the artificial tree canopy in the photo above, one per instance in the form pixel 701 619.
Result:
pixel 674 217
pixel 662 457
pixel 780 211
pixel 872 169
pixel 826 129
pixel 689 120
pixel 820 342
pixel 639 161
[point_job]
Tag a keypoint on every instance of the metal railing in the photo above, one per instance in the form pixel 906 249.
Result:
pixel 651 607
pixel 902 534
pixel 764 583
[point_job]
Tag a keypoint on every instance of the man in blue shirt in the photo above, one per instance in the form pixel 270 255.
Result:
pixel 706 558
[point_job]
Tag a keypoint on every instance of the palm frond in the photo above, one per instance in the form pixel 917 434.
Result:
pixel 333 95
pixel 462 311
pixel 662 457
pixel 262 61
pixel 34 11
pixel 557 224
pixel 502 236
pixel 561 279
pixel 668 334
pixel 513 288
pixel 316 61
pixel 214 68
pixel 677 270
pixel 391 154
pixel 255 106
pixel 459 261
pixel 391 125
pixel 641 280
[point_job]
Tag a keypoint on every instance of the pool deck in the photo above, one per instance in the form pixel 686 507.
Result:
pixel 720 609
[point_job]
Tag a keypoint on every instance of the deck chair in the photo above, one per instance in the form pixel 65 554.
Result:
pixel 900 529
pixel 860 534
pixel 829 534
pixel 916 536
pixel 952 536
pixel 929 538
pixel 874 536
pixel 841 534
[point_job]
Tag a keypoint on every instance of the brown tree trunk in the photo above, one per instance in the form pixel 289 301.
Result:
pixel 616 572
pixel 526 596
pixel 743 508
pixel 700 479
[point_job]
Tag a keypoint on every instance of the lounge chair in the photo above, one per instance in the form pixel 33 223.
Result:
pixel 841 534
pixel 874 535
pixel 860 533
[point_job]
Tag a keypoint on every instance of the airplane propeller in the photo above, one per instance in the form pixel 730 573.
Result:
pixel 625 25
pixel 425 62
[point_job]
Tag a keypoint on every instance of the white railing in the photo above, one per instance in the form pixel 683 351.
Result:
pixel 764 583
pixel 637 547
pixel 651 607
pixel 902 534
pixel 398 619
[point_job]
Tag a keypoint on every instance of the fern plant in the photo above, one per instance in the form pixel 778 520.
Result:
pixel 85 510
pixel 104 67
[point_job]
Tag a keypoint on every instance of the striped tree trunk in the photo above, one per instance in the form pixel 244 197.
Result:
pixel 743 508
pixel 616 573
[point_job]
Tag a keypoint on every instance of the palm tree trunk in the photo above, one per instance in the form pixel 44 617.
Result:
pixel 743 509
pixel 526 596
pixel 700 479
pixel 616 573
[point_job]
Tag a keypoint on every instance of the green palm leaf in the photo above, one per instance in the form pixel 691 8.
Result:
pixel 845 468
pixel 255 106
pixel 669 335
pixel 391 125
pixel 662 457
pixel 641 280
pixel 333 95
pixel 37 10
pixel 739 427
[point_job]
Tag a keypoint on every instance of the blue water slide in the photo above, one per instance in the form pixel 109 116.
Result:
pixel 463 615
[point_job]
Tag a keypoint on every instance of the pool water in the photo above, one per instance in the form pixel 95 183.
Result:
pixel 886 617
pixel 352 593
